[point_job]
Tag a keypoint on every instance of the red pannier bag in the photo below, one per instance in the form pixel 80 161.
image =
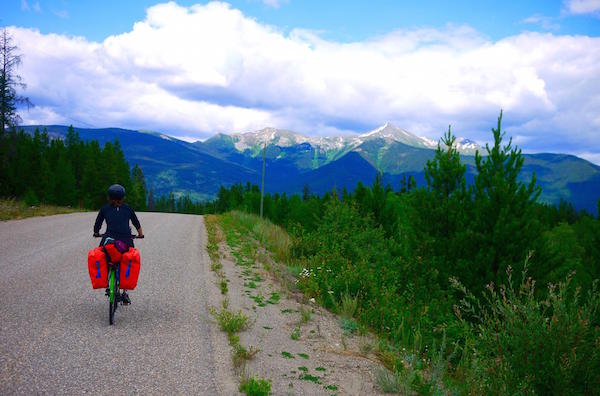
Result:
pixel 130 269
pixel 113 253
pixel 97 268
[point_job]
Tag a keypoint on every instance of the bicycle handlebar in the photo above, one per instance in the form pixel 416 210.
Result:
pixel 132 236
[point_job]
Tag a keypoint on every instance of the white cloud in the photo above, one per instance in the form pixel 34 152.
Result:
pixel 194 71
pixel 274 3
pixel 545 22
pixel 583 6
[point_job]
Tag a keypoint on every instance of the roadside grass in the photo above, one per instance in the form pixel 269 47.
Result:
pixel 229 321
pixel 273 237
pixel 255 387
pixel 295 335
pixel 241 355
pixel 13 209
pixel 232 322
pixel 305 315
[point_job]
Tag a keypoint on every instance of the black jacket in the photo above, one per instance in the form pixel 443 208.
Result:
pixel 117 222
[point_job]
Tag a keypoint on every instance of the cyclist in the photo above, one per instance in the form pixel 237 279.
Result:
pixel 117 215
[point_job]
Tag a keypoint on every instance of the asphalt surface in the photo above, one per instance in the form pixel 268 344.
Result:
pixel 54 331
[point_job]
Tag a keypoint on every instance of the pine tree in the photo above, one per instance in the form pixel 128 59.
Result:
pixel 503 227
pixel 137 196
pixel 151 204
pixel 65 193
pixel 9 83
pixel 445 202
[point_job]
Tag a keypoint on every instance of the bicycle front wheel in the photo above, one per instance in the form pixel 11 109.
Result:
pixel 112 297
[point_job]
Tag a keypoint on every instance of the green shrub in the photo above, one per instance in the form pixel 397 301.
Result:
pixel 255 387
pixel 232 322
pixel 515 342
pixel 31 199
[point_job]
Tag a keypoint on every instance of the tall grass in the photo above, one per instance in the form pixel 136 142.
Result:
pixel 270 235
pixel 12 209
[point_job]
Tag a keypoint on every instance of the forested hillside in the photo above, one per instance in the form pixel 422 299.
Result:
pixel 67 172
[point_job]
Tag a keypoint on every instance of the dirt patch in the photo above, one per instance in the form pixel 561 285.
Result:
pixel 302 347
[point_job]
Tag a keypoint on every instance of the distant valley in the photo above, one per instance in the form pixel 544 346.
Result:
pixel 294 160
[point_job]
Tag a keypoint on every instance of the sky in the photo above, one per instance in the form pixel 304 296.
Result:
pixel 193 69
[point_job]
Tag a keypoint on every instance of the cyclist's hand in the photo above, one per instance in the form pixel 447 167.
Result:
pixel 141 236
pixel 96 235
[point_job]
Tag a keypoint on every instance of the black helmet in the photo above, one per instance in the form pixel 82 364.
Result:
pixel 116 191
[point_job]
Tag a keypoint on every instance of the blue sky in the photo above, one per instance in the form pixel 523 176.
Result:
pixel 340 20
pixel 192 69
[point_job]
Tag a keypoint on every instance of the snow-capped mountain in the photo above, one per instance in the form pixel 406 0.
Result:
pixel 388 132
pixel 283 138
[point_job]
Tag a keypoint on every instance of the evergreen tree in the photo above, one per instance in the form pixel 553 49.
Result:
pixel 137 196
pixel 305 192
pixel 9 83
pixel 445 203
pixel 65 193
pixel 151 204
pixel 503 227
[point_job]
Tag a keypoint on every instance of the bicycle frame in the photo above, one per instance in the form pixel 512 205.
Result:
pixel 113 281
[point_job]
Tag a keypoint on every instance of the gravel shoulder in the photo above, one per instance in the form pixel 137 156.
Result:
pixel 301 354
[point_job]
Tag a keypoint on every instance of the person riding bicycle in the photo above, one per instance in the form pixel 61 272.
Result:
pixel 117 216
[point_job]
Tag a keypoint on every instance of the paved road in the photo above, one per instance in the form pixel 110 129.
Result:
pixel 54 332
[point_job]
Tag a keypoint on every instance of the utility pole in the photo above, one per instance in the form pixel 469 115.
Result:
pixel 262 187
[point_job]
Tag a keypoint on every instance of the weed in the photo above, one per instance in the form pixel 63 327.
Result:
pixel 255 387
pixel 267 328
pixel 223 284
pixel 320 369
pixel 366 346
pixel 310 377
pixel 250 285
pixel 344 343
pixel 303 368
pixel 241 355
pixel 348 325
pixel 332 387
pixel 234 339
pixel 232 322
pixel 398 382
pixel 259 300
pixel 349 305
pixel 304 315
pixel 295 333
pixel 303 355
pixel 287 355
pixel 274 299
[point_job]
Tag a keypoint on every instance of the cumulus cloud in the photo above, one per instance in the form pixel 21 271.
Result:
pixel 583 6
pixel 194 71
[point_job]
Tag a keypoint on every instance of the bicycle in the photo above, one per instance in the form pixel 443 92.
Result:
pixel 113 291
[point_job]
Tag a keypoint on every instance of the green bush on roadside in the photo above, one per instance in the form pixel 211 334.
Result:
pixel 255 387
pixel 517 343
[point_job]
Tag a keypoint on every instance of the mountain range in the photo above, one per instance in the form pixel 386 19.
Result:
pixel 294 160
